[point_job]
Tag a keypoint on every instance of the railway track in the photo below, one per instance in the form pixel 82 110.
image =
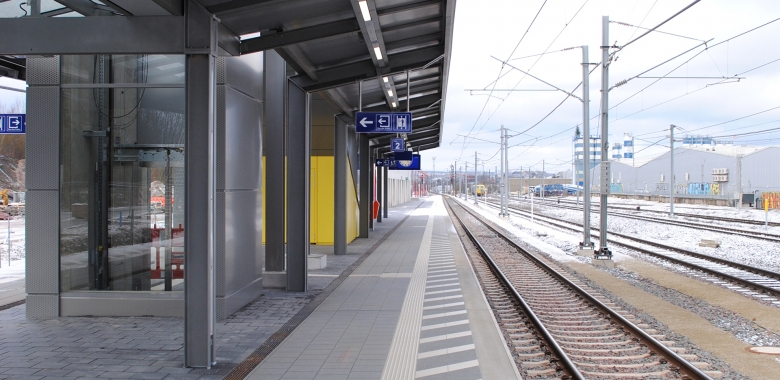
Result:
pixel 682 223
pixel 746 276
pixel 558 326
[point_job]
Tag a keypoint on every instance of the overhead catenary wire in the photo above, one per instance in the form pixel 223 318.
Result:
pixel 465 145
pixel 659 25
pixel 657 31
pixel 532 66
pixel 688 93
pixel 697 54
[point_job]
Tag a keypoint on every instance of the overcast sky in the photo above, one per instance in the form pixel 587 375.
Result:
pixel 485 28
pixel 488 28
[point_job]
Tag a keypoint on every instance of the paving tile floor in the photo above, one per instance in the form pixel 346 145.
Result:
pixel 151 347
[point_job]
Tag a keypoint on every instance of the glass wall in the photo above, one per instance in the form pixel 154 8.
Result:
pixel 122 173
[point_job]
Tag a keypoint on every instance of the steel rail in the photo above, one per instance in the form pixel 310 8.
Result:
pixel 568 366
pixel 707 217
pixel 676 360
pixel 720 229
pixel 741 281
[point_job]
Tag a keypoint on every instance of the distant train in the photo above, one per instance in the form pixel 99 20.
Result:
pixel 481 190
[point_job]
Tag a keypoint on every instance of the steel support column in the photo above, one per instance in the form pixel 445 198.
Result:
pixel 380 188
pixel 340 173
pixel 200 188
pixel 298 172
pixel 385 191
pixel 274 138
pixel 371 189
pixel 365 203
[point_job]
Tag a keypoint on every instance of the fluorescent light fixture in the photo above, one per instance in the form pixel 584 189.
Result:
pixel 378 52
pixel 364 10
pixel 390 92
pixel 394 104
pixel 386 79
pixel 249 35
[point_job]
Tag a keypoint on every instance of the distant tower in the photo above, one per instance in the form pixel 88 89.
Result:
pixel 616 151
pixel 628 146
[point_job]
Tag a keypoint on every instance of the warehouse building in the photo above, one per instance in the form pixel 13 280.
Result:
pixel 700 171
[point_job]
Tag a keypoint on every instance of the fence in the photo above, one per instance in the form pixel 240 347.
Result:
pixel 693 189
pixel 773 197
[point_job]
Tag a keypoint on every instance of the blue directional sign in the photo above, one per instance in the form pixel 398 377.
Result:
pixel 13 123
pixel 413 164
pixel 383 122
pixel 384 162
pixel 397 145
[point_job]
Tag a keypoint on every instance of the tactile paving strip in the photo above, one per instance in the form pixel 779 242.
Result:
pixel 244 368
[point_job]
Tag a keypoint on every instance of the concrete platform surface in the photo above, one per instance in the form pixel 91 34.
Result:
pixel 412 309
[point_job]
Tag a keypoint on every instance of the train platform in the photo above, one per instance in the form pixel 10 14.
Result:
pixel 412 309
pixel 402 304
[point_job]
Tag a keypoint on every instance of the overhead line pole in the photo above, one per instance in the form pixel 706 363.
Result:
pixel 604 252
pixel 586 243
pixel 671 171
pixel 475 178
pixel 506 173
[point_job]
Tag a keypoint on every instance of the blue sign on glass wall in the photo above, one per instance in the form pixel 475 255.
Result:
pixel 13 123
pixel 383 122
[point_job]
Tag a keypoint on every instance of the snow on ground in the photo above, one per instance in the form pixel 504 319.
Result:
pixel 559 245
pixel 721 211
pixel 12 273
pixel 751 251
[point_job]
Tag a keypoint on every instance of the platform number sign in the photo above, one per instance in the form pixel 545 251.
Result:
pixel 397 145
pixel 13 123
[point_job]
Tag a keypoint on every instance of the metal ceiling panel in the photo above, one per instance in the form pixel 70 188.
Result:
pixel 286 15
pixel 334 51
pixel 141 7
pixel 396 16
pixel 412 30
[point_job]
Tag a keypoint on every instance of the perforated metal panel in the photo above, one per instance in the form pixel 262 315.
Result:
pixel 219 260
pixel 43 70
pixel 42 242
pixel 221 130
pixel 43 138
pixel 220 306
pixel 43 306
pixel 221 63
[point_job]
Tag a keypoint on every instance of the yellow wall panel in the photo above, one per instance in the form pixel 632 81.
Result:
pixel 321 202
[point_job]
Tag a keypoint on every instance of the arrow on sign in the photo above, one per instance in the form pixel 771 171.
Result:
pixel 365 121
pixel 15 122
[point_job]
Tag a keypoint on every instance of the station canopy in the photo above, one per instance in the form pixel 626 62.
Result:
pixel 332 45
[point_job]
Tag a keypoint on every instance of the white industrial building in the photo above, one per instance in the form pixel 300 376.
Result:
pixel 700 171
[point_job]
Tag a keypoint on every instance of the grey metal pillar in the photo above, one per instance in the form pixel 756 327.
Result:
pixel 385 192
pixel 380 188
pixel 340 187
pixel 364 185
pixel 43 198
pixel 371 189
pixel 200 187
pixel 298 172
pixel 605 164
pixel 671 171
pixel 274 137
pixel 586 243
